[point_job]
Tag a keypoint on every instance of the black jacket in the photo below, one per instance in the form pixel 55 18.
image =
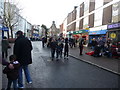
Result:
pixel 22 50
pixel 66 48
pixel 53 45
pixel 12 73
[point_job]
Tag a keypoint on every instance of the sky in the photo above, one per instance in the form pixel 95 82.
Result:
pixel 45 11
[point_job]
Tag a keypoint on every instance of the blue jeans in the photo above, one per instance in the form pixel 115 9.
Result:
pixel 14 84
pixel 27 75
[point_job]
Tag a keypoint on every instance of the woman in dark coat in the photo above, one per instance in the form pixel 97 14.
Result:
pixel 66 48
pixel 22 50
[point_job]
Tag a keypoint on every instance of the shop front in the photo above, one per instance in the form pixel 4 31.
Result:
pixel 81 34
pixel 114 32
pixel 97 34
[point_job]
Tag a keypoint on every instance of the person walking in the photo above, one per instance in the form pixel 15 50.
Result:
pixel 5 46
pixel 61 48
pixel 81 45
pixel 22 50
pixel 53 45
pixel 58 48
pixel 66 48
pixel 43 42
pixel 12 74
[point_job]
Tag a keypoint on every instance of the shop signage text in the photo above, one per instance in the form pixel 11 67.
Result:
pixel 117 25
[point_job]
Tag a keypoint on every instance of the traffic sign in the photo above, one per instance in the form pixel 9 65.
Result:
pixel 0 26
pixel 5 28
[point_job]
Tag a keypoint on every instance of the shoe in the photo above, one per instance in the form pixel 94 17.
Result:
pixel 30 82
pixel 20 87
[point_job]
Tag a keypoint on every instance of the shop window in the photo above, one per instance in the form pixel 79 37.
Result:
pixel 92 5
pixel 106 1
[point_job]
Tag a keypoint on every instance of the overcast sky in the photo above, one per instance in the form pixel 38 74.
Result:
pixel 45 11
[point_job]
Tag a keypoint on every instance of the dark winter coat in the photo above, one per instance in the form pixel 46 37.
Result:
pixel 5 45
pixel 94 43
pixel 97 50
pixel 22 50
pixel 81 43
pixel 66 48
pixel 59 47
pixel 53 45
pixel 12 73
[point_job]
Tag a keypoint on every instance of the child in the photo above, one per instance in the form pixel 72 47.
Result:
pixel 12 74
pixel 57 50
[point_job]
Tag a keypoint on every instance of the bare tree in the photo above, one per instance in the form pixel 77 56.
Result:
pixel 11 16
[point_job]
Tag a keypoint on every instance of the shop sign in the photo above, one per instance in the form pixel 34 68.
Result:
pixel 34 34
pixel 81 31
pixel 113 35
pixel 0 26
pixel 71 32
pixel 5 28
pixel 117 25
pixel 104 27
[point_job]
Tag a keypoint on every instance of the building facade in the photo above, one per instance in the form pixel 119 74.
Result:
pixel 53 30
pixel 35 32
pixel 93 19
pixel 1 8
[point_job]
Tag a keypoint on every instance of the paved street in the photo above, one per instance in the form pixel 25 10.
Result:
pixel 64 73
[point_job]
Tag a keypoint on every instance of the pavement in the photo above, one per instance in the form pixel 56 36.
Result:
pixel 109 64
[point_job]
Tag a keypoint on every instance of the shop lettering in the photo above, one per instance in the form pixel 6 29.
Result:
pixel 114 26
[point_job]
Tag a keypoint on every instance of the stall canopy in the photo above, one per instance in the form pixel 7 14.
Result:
pixel 80 31
pixel 97 32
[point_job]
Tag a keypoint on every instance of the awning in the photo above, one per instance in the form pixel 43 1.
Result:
pixel 97 32
pixel 80 31
pixel 70 32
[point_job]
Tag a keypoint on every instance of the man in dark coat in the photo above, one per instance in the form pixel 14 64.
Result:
pixel 81 45
pixel 22 50
pixel 53 46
